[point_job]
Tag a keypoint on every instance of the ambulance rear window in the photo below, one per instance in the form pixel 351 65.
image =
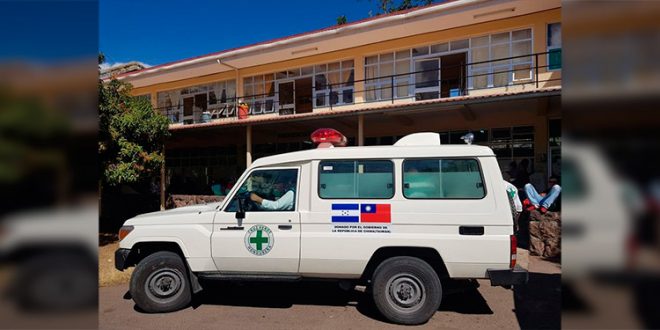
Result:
pixel 442 179
pixel 352 179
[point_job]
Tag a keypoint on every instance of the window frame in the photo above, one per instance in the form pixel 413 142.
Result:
pixel 481 174
pixel 549 48
pixel 378 83
pixel 491 69
pixel 237 187
pixel 318 179
pixel 343 86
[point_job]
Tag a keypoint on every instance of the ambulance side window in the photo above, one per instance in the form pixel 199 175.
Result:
pixel 352 179
pixel 442 179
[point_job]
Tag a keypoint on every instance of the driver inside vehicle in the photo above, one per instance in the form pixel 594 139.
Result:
pixel 282 188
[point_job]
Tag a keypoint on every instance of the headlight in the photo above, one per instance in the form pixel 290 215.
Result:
pixel 124 231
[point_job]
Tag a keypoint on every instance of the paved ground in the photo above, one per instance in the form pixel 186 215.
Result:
pixel 323 305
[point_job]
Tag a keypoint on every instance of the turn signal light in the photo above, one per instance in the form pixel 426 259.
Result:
pixel 124 231
pixel 327 137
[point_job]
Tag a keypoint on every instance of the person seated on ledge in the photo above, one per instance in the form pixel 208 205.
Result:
pixel 542 201
pixel 284 203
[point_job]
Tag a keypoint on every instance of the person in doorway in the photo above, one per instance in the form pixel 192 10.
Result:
pixel 216 187
pixel 522 174
pixel 286 201
pixel 542 201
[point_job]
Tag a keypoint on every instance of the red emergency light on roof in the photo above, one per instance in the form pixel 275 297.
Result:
pixel 328 137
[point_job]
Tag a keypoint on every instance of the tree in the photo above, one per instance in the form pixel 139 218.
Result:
pixel 341 20
pixel 131 134
pixel 388 6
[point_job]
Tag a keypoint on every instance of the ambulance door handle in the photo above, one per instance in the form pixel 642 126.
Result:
pixel 285 227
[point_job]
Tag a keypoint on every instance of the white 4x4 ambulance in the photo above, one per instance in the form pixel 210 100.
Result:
pixel 398 219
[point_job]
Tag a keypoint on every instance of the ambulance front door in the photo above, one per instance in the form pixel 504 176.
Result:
pixel 267 239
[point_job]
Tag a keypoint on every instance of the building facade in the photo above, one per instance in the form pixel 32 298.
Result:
pixel 492 68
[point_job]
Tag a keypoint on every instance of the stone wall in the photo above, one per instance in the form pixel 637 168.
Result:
pixel 175 201
pixel 545 234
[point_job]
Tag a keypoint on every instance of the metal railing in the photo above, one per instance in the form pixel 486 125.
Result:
pixel 269 102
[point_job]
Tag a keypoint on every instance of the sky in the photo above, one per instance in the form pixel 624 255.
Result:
pixel 48 31
pixel 156 32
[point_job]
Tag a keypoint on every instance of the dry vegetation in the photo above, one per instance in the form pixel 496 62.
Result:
pixel 108 275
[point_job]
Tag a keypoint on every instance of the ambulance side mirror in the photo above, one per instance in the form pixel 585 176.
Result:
pixel 240 214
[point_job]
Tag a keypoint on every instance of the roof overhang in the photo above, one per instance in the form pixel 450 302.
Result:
pixel 432 18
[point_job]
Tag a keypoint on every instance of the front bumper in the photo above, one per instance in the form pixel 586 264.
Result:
pixel 121 255
pixel 508 277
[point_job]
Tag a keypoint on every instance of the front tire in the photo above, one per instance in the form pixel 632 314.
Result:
pixel 406 290
pixel 160 283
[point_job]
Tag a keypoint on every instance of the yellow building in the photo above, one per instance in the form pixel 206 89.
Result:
pixel 488 67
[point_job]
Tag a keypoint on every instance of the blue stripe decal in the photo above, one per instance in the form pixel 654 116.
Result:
pixel 345 219
pixel 345 206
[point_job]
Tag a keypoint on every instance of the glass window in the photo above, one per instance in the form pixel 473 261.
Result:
pixel 403 54
pixel 554 46
pixel 440 48
pixel 500 38
pixel 419 51
pixel 356 179
pixel 271 185
pixel 387 57
pixel 459 44
pixel 333 66
pixel 442 179
pixel 521 34
pixel 480 41
pixel 307 70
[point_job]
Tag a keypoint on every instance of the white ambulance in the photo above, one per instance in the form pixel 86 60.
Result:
pixel 397 219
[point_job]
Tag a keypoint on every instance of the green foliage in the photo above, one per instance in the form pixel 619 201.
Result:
pixel 341 20
pixel 131 133
pixel 389 6
pixel 29 137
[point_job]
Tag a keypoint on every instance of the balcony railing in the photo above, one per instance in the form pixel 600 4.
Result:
pixel 383 88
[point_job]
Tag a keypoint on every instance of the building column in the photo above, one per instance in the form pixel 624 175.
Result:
pixel 358 74
pixel 154 100
pixel 248 146
pixel 360 141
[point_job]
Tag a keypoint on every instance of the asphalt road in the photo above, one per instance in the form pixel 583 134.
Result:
pixel 324 305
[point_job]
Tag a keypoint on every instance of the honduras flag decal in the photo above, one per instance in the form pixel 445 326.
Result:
pixel 345 213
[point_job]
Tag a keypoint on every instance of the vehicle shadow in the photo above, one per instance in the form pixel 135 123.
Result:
pixel 462 299
pixel 538 303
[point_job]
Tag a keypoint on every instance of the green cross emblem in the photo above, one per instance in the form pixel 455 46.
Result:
pixel 259 240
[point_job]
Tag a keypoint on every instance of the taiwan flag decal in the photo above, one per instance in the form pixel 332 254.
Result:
pixel 380 213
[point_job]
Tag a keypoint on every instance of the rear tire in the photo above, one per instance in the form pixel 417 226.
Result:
pixel 160 283
pixel 406 290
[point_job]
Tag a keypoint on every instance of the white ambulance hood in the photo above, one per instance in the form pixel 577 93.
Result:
pixel 177 215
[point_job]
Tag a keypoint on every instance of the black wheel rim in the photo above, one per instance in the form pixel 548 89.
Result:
pixel 164 284
pixel 405 292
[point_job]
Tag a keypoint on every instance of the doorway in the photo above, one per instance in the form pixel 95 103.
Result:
pixel 188 103
pixel 453 75
pixel 287 96
pixel 442 76
pixel 303 91
pixel 200 107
